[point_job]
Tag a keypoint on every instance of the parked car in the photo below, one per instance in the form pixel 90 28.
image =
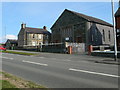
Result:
pixel 2 48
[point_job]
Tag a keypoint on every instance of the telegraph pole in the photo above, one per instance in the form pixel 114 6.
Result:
pixel 5 33
pixel 114 29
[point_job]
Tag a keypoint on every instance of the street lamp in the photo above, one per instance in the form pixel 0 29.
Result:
pixel 114 29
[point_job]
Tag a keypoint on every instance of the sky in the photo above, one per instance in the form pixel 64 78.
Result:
pixel 39 14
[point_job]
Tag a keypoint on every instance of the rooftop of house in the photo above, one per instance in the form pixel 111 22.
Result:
pixel 117 13
pixel 12 41
pixel 88 18
pixel 35 30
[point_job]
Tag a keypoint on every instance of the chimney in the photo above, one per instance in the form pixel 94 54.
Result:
pixel 45 28
pixel 23 25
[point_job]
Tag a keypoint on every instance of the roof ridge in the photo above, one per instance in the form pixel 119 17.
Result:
pixel 34 28
pixel 90 18
pixel 11 39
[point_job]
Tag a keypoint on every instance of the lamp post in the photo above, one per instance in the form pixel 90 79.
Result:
pixel 114 29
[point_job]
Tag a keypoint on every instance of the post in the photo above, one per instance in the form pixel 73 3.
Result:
pixel 5 35
pixel 69 49
pixel 114 29
pixel 90 49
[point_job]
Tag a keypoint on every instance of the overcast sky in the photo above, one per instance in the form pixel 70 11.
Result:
pixel 39 14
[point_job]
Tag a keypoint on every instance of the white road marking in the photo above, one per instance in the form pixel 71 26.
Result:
pixel 77 70
pixel 7 58
pixel 53 58
pixel 67 60
pixel 21 55
pixel 35 63
pixel 41 57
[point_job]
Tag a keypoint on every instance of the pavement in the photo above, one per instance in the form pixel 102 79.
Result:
pixel 102 60
pixel 109 61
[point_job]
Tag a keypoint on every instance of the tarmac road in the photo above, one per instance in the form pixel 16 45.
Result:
pixel 62 71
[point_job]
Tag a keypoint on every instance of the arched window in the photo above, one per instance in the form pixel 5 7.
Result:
pixel 109 35
pixel 103 35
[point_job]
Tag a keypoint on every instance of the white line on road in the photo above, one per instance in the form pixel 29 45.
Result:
pixel 7 58
pixel 77 70
pixel 67 60
pixel 35 63
pixel 41 57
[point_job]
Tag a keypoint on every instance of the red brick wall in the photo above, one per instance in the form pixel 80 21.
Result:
pixel 118 22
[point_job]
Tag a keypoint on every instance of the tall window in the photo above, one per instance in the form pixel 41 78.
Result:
pixel 96 34
pixel 103 35
pixel 92 38
pixel 67 31
pixel 109 35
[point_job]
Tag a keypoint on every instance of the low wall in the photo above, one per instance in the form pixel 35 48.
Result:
pixel 54 48
pixel 28 48
pixel 63 47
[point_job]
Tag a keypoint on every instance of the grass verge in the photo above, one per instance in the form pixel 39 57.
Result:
pixel 7 84
pixel 21 53
pixel 11 81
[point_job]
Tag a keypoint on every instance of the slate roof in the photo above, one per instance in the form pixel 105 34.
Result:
pixel 90 18
pixel 36 30
pixel 12 41
pixel 117 13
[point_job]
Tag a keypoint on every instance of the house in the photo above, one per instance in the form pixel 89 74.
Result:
pixel 2 44
pixel 117 19
pixel 29 36
pixel 11 44
pixel 75 27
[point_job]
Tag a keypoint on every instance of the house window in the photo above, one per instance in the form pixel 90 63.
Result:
pixel 67 31
pixel 103 35
pixel 96 34
pixel 59 30
pixel 109 35
pixel 33 43
pixel 33 35
pixel 47 37
pixel 39 36
pixel 92 38
pixel 36 36
pixel 117 31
